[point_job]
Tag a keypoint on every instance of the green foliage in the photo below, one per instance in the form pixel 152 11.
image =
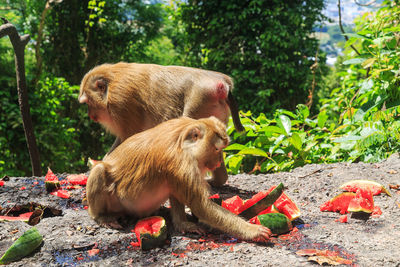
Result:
pixel 358 120
pixel 65 137
pixel 266 46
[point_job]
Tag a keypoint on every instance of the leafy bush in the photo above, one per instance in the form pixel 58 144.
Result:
pixel 64 134
pixel 358 121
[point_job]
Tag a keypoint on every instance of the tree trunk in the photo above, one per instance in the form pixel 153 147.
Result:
pixel 19 43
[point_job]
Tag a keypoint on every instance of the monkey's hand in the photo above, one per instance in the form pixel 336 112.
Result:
pixel 185 227
pixel 263 234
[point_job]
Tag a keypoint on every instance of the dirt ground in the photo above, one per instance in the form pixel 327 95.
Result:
pixel 73 239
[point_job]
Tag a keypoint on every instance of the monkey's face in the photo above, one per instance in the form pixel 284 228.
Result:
pixel 93 92
pixel 205 141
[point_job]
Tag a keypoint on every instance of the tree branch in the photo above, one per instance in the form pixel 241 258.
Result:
pixel 19 43
pixel 342 29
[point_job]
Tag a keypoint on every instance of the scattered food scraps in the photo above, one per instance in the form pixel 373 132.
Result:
pixel 61 193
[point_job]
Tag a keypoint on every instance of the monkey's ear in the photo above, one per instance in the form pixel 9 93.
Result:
pixel 192 135
pixel 101 85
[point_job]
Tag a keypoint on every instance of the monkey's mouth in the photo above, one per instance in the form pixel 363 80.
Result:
pixel 212 166
pixel 92 115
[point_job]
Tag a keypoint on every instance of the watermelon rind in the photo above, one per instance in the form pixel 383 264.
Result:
pixel 264 203
pixel 278 223
pixel 353 185
pixel 23 246
pixel 362 202
pixel 148 240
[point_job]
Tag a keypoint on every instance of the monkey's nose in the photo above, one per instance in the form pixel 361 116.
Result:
pixel 83 98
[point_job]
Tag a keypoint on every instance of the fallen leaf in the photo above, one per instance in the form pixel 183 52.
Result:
pixel 332 260
pixel 392 171
pixel 323 256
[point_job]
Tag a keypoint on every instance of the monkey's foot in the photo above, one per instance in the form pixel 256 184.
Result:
pixel 112 224
pixel 189 227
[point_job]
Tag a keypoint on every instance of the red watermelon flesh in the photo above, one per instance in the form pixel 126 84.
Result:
pixel 151 232
pixel 377 212
pixel 270 209
pixel 77 179
pixel 339 203
pixel 51 181
pixel 257 197
pixel 22 217
pixel 286 206
pixel 233 204
pixel 363 201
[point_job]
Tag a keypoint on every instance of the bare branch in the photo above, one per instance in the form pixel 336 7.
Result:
pixel 19 43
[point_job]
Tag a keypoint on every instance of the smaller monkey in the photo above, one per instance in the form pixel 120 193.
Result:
pixel 168 161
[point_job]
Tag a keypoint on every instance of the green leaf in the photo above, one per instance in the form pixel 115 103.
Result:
pixel 273 129
pixel 253 151
pixel 322 118
pixel 235 147
pixel 354 61
pixel 284 123
pixel 295 140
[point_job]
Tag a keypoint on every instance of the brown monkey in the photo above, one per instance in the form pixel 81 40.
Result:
pixel 167 161
pixel 127 98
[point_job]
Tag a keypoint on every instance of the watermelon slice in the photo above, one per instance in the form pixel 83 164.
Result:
pixel 286 206
pixel 375 187
pixel 22 217
pixel 233 204
pixel 77 179
pixel 339 203
pixel 270 209
pixel 51 181
pixel 260 202
pixel 278 223
pixel 61 193
pixel 363 201
pixel 151 232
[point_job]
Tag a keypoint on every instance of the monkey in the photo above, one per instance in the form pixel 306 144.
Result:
pixel 168 161
pixel 127 98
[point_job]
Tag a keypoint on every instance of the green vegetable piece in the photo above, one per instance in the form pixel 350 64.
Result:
pixel 278 223
pixel 23 246
pixel 263 203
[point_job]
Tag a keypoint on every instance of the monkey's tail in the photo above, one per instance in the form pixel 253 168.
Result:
pixel 234 112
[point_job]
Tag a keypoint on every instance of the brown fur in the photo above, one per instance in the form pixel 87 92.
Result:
pixel 149 167
pixel 128 98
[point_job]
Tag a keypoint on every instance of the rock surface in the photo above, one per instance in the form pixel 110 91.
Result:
pixel 73 239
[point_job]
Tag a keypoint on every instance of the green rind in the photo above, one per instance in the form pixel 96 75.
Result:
pixel 51 185
pixel 23 246
pixel 278 223
pixel 263 203
pixel 149 241
pixel 365 182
